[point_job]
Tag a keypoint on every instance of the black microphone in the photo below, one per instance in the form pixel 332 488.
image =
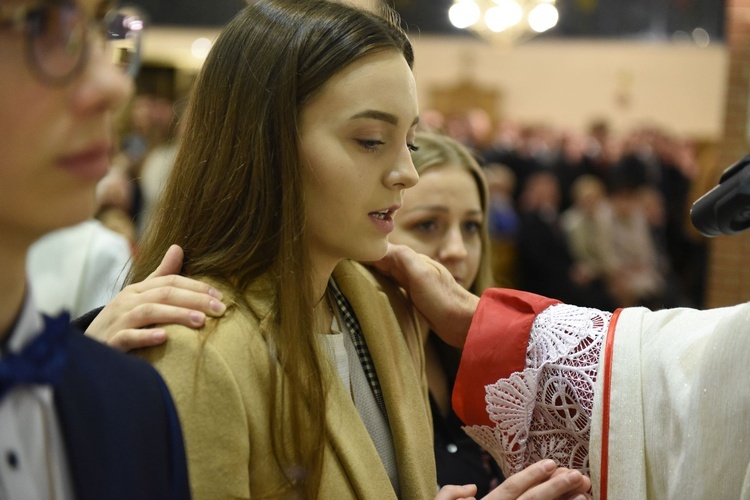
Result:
pixel 726 208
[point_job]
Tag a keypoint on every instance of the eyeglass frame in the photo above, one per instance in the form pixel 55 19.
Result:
pixel 18 19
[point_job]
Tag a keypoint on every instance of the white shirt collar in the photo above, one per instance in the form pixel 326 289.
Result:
pixel 28 325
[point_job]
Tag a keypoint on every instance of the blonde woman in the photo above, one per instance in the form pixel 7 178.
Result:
pixel 445 217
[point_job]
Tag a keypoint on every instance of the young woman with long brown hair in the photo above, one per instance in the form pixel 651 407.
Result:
pixel 294 159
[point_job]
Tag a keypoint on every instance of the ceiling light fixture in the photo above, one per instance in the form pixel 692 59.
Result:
pixel 504 22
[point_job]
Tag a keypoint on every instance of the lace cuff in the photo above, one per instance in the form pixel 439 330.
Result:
pixel 545 410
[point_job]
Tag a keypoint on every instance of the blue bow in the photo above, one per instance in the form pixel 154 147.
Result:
pixel 41 361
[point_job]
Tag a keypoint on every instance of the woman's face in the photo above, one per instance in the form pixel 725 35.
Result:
pixel 355 141
pixel 55 141
pixel 442 218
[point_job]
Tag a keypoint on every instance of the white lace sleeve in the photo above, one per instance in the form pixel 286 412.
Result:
pixel 545 411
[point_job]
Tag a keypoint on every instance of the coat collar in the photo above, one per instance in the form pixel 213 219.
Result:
pixel 403 384
pixel 385 317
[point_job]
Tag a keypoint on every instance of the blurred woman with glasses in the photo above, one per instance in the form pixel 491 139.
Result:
pixel 77 420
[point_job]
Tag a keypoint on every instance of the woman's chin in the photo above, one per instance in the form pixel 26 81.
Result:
pixel 374 253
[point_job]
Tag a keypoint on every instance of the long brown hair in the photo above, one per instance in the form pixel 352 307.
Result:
pixel 234 199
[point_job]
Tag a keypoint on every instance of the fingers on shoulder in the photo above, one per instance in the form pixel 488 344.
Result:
pixel 131 339
pixel 175 281
pixel 167 304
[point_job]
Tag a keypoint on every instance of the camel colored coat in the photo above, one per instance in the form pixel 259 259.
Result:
pixel 221 385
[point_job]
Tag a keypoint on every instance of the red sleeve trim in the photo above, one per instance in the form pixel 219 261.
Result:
pixel 495 348
pixel 606 393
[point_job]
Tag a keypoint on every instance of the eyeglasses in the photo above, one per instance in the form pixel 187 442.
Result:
pixel 59 35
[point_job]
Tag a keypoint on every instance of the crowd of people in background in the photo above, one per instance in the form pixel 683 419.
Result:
pixel 592 218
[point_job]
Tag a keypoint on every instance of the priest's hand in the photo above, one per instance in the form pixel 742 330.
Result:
pixel 543 480
pixel 540 481
pixel 446 305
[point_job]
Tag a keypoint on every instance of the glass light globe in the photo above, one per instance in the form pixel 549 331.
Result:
pixel 464 13
pixel 200 48
pixel 701 37
pixel 505 14
pixel 543 17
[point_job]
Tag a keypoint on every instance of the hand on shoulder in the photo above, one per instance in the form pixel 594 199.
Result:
pixel 126 323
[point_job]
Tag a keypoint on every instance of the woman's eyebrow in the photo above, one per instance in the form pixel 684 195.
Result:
pixel 376 115
pixel 380 115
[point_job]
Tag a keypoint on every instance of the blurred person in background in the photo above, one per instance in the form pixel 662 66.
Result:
pixel 545 263
pixel 78 268
pixel 503 222
pixel 636 277
pixel 587 229
pixel 149 136
pixel 157 166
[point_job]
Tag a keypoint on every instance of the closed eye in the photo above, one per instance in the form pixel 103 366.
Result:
pixel 370 145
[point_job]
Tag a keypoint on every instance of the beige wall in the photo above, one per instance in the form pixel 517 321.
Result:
pixel 562 83
pixel 569 83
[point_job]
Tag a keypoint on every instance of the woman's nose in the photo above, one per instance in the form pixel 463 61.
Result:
pixel 403 174
pixel 453 246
